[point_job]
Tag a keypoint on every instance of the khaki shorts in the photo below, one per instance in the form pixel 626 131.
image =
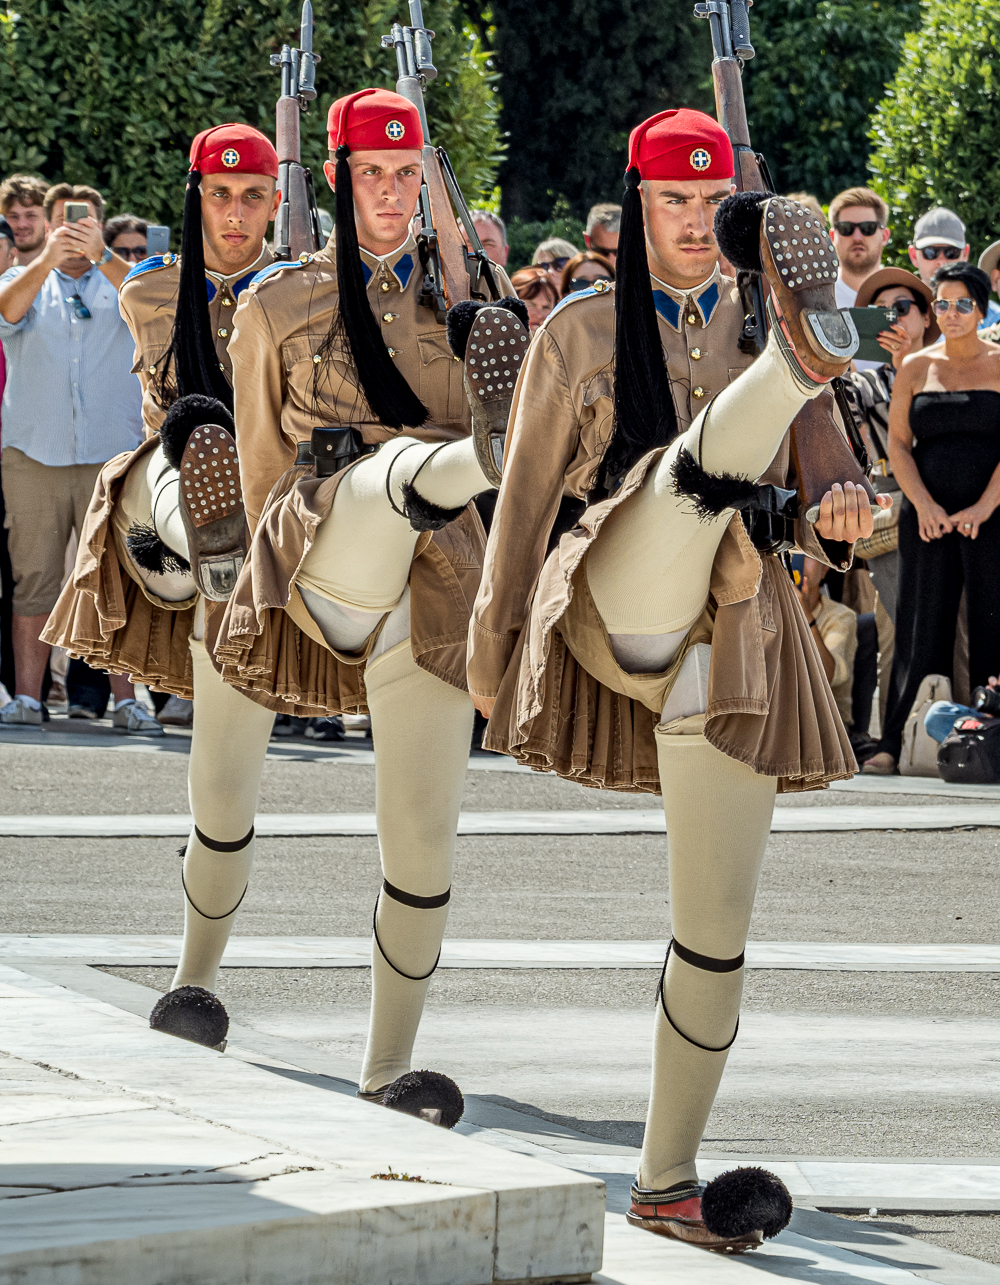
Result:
pixel 45 504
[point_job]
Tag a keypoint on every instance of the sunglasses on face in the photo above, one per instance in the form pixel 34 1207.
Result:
pixel 136 252
pixel 552 265
pixel 584 283
pixel 80 310
pixel 964 306
pixel 903 306
pixel 932 252
pixel 868 228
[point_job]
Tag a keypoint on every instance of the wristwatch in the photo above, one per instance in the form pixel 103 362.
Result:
pixel 106 257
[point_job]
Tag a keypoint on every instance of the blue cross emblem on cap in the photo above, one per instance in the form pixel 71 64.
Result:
pixel 395 130
pixel 700 159
pixel 230 158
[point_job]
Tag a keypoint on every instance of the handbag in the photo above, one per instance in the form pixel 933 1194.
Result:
pixel 970 753
pixel 919 755
pixel 885 537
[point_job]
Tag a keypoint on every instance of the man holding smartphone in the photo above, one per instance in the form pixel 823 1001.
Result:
pixel 69 405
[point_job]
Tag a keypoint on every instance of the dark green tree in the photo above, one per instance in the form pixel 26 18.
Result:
pixel 935 133
pixel 576 77
pixel 111 92
pixel 820 71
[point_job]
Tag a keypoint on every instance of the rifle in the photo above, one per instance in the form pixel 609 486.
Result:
pixel 452 270
pixel 296 225
pixel 819 449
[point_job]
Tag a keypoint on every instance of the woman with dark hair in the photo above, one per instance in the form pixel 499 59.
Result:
pixel 944 449
pixel 583 270
pixel 126 235
pixel 534 287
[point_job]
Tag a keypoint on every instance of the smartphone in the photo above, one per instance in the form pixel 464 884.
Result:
pixel 74 211
pixel 157 238
pixel 869 323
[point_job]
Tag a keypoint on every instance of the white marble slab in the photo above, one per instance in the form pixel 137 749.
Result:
pixel 355 952
pixel 608 821
pixel 510 1217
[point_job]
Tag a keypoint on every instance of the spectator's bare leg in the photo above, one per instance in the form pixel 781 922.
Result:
pixel 31 655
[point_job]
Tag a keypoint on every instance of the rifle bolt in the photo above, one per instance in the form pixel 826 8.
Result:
pixel 696 354
pixel 389 316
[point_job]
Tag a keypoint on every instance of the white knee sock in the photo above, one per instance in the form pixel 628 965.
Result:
pixel 422 729
pixel 149 496
pixel 362 552
pixel 228 744
pixel 718 816
pixel 649 569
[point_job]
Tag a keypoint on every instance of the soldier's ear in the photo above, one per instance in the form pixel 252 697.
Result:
pixel 330 170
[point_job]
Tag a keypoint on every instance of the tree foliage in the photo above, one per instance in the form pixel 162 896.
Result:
pixel 821 69
pixel 111 92
pixel 576 77
pixel 935 133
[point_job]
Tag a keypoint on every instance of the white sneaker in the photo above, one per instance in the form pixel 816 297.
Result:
pixel 177 712
pixel 135 720
pixel 17 713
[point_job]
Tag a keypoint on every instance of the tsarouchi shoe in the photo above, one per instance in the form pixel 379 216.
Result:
pixel 192 1013
pixel 428 1095
pixel 735 1213
pixel 212 511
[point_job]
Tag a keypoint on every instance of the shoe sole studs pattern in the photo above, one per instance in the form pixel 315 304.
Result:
pixel 497 344
pixel 210 476
pixel 800 244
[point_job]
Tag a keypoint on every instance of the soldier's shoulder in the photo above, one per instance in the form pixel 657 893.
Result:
pixel 156 276
pixel 155 263
pixel 581 309
pixel 287 273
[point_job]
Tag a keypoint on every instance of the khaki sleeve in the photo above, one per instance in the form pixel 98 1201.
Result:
pixel 542 440
pixel 152 415
pixel 258 394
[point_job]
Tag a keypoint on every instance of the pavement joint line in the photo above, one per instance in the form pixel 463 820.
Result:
pixel 609 821
pixel 355 952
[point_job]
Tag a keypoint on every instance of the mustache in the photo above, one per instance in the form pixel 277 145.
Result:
pixel 703 243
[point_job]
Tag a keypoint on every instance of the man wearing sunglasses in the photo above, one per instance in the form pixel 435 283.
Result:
pixel 938 238
pixel 70 404
pixel 858 218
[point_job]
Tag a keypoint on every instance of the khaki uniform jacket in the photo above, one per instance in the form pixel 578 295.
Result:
pixel 289 379
pixel 551 712
pixel 104 615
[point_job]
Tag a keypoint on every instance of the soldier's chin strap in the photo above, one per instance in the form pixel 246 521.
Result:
pixel 709 965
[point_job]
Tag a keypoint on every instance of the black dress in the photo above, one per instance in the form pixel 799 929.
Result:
pixel 956 448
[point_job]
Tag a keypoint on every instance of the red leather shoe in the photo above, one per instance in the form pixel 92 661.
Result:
pixel 677 1213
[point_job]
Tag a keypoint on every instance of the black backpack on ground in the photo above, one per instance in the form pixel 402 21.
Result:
pixel 970 753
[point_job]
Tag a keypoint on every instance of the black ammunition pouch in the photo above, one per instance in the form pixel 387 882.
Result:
pixel 770 521
pixel 333 449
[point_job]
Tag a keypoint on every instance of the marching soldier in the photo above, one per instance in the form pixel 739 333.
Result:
pixel 136 603
pixel 656 648
pixel 358 469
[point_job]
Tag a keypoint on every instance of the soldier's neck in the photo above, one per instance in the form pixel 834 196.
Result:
pixel 380 252
pixel 224 271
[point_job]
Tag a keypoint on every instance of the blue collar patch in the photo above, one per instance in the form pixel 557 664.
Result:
pixel 708 301
pixel 211 288
pixel 668 308
pixel 366 271
pixel 403 269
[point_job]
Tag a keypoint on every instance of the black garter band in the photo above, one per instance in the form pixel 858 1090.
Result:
pixel 709 965
pixel 214 845
pixel 416 903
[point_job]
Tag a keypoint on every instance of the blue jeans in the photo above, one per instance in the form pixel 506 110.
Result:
pixel 940 718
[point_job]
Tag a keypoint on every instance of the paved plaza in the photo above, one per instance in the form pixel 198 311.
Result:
pixel 866 1073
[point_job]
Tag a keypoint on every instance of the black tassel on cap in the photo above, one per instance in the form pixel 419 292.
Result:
pixel 393 402
pixel 644 415
pixel 192 354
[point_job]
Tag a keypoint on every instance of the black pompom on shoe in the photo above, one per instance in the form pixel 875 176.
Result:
pixel 737 229
pixel 458 323
pixel 148 551
pixel 427 1095
pixel 192 1013
pixel 184 416
pixel 746 1200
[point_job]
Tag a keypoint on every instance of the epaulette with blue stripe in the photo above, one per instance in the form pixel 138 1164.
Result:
pixel 579 294
pixel 147 265
pixel 272 268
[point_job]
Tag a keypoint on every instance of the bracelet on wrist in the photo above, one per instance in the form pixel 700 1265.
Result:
pixel 106 257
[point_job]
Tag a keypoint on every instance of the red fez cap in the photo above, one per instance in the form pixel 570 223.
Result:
pixel 228 149
pixel 373 120
pixel 681 145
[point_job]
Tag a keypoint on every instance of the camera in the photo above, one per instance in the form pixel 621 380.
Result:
pixel 986 700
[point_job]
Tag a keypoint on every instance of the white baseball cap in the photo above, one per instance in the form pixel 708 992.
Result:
pixel 939 227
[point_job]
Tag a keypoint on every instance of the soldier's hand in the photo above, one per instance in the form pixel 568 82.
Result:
pixel 845 513
pixel 484 704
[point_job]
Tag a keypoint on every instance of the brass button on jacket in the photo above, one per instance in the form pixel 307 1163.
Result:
pixel 696 354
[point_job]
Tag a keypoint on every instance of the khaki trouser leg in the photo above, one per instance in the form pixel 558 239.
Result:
pixel 718 816
pixel 421 728
pixel 228 744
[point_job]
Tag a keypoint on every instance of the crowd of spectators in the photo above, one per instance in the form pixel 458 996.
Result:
pixel 922 588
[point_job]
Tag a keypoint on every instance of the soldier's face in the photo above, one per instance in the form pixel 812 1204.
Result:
pixel 235 212
pixel 386 188
pixel 680 240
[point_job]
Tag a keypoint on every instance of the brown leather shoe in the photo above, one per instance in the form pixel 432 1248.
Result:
pixel 801 268
pixel 212 510
pixel 677 1213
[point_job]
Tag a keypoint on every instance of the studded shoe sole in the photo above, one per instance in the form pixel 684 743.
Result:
pixel 496 348
pixel 801 268
pixel 212 511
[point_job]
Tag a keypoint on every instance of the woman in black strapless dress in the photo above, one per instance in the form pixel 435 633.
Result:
pixel 944 448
